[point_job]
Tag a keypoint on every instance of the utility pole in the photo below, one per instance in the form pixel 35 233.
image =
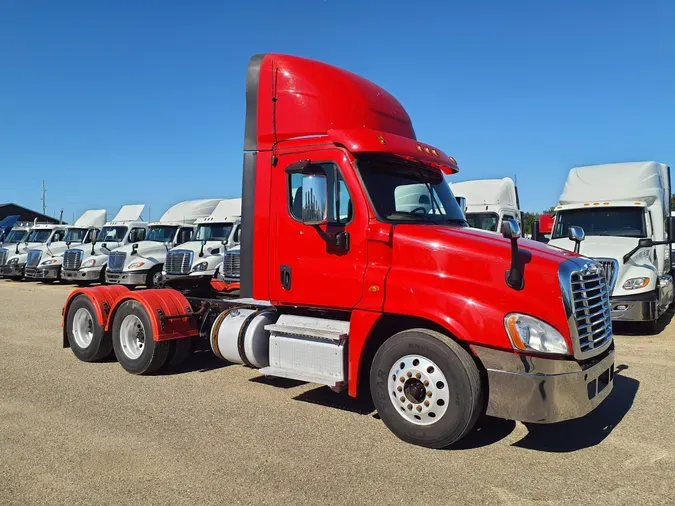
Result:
pixel 44 198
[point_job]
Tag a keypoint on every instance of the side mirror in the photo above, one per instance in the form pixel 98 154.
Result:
pixel 671 229
pixel 577 235
pixel 645 243
pixel 535 231
pixel 511 229
pixel 134 247
pixel 314 200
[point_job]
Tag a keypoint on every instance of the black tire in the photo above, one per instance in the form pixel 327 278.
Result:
pixel 48 281
pixel 179 351
pixel 153 354
pixel 463 383
pixel 101 277
pixel 83 283
pixel 151 274
pixel 100 346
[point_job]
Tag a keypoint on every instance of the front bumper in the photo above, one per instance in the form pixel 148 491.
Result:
pixel 92 274
pixel 635 308
pixel 126 278
pixel 12 270
pixel 43 272
pixel 208 274
pixel 543 390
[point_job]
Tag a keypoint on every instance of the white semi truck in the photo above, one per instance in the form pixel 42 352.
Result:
pixel 14 258
pixel 215 234
pixel 87 263
pixel 44 262
pixel 141 263
pixel 488 202
pixel 624 211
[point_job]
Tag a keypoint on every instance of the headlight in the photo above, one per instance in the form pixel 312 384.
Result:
pixel 531 334
pixel 89 263
pixel 201 266
pixel 50 261
pixel 635 283
pixel 14 260
pixel 136 265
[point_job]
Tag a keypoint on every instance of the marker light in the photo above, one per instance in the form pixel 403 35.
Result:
pixel 533 335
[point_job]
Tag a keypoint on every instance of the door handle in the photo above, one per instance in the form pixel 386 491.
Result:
pixel 285 272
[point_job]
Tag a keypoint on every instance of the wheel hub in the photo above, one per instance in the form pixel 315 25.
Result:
pixel 132 336
pixel 419 390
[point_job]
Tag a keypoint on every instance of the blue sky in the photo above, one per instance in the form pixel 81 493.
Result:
pixel 114 102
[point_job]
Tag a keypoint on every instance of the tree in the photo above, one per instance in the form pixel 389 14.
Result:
pixel 672 202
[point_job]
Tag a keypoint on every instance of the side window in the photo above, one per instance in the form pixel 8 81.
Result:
pixel 340 208
pixel 93 233
pixel 58 236
pixel 184 235
pixel 237 232
pixel 137 235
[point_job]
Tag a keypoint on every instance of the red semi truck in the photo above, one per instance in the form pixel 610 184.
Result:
pixel 358 271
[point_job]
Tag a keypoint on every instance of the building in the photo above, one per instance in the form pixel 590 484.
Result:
pixel 24 214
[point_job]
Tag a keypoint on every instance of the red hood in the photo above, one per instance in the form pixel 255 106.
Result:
pixel 457 277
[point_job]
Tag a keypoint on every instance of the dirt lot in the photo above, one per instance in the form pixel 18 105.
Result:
pixel 76 433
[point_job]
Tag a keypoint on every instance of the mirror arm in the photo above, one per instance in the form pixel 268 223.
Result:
pixel 514 276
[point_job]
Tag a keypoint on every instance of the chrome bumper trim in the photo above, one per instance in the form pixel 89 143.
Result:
pixel 81 275
pixel 126 278
pixel 542 390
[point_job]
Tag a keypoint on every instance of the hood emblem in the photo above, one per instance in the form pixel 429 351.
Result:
pixel 591 269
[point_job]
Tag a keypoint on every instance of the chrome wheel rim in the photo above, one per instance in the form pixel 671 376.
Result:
pixel 418 389
pixel 157 278
pixel 83 328
pixel 132 336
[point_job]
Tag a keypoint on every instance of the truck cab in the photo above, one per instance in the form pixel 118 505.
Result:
pixel 542 228
pixel 141 263
pixel 624 211
pixel 41 235
pixel 358 271
pixel 45 261
pixel 489 202
pixel 6 225
pixel 214 235
pixel 86 264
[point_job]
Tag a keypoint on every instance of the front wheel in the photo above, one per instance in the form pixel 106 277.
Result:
pixel 135 349
pixel 154 278
pixel 426 388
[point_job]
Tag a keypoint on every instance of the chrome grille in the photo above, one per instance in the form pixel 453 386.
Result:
pixel 178 261
pixel 591 309
pixel 231 264
pixel 33 258
pixel 610 267
pixel 116 261
pixel 72 259
pixel 4 253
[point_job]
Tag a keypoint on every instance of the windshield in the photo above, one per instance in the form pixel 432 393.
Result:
pixel 403 191
pixel 16 236
pixel 214 232
pixel 75 235
pixel 161 233
pixel 111 234
pixel 613 221
pixel 39 235
pixel 484 221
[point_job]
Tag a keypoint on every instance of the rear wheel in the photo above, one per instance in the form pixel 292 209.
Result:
pixel 86 337
pixel 426 388
pixel 135 349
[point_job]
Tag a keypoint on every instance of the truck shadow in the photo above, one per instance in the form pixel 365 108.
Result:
pixel 642 329
pixel 324 396
pixel 199 361
pixel 590 430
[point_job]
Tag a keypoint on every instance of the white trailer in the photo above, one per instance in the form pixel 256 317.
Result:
pixel 87 264
pixel 215 234
pixel 141 263
pixel 488 202
pixel 624 211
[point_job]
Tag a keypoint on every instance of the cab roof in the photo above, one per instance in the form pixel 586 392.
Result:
pixel 186 213
pixel 487 192
pixel 227 210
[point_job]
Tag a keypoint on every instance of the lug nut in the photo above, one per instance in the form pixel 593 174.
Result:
pixel 410 406
pixel 402 379
pixel 426 383
pixel 402 399
pixel 428 393
pixel 426 403
pixel 419 408
pixel 409 374
pixel 399 388
pixel 418 375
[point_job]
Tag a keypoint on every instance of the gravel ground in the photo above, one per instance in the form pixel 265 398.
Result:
pixel 76 433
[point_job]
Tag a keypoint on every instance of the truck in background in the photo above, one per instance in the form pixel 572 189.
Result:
pixel 6 225
pixel 624 211
pixel 542 228
pixel 339 286
pixel 17 235
pixel 489 202
pixel 203 254
pixel 16 256
pixel 87 264
pixel 141 263
pixel 44 262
